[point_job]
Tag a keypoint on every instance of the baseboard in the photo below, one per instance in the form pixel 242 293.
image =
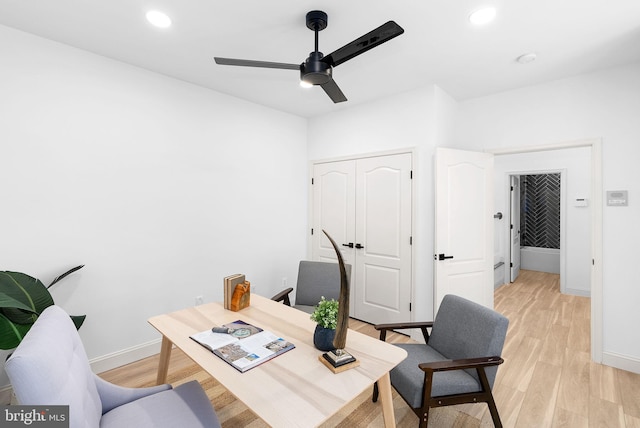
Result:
pixel 577 292
pixel 624 362
pixel 125 356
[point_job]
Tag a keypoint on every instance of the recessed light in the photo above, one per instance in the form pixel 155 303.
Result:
pixel 159 19
pixel 527 58
pixel 483 16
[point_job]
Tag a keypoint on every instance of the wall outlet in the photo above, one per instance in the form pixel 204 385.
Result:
pixel 199 300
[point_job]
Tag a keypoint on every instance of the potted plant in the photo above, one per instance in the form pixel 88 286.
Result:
pixel 326 316
pixel 22 300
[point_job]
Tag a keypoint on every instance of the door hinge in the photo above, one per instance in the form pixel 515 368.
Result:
pixel 510 264
pixel 312 181
pixel 593 262
pixel 312 230
pixel 512 188
pixel 409 306
pixel 411 240
pixel 511 227
pixel 411 175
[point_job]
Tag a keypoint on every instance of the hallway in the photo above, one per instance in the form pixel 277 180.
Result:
pixel 547 379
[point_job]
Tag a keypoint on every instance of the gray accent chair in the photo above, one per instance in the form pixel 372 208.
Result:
pixel 315 279
pixel 458 363
pixel 50 367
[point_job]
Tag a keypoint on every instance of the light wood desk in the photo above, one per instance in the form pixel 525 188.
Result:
pixel 294 389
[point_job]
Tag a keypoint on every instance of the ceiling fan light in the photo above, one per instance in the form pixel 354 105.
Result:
pixel 158 19
pixel 305 84
pixel 483 16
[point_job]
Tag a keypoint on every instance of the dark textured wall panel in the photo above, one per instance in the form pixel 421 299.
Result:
pixel 540 210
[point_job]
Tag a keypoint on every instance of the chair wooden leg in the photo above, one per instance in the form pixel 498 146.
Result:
pixel 425 417
pixel 493 409
pixel 426 398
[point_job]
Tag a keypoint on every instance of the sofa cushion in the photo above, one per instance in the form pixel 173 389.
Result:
pixel 186 405
pixel 408 379
pixel 67 379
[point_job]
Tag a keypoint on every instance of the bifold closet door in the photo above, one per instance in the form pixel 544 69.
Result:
pixel 365 204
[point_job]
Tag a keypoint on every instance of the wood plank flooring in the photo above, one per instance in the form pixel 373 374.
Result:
pixel 547 379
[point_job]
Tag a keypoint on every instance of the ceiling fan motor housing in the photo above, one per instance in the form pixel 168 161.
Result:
pixel 315 71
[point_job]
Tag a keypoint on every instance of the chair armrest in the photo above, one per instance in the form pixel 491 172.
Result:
pixel 113 396
pixel 283 296
pixel 466 363
pixel 422 325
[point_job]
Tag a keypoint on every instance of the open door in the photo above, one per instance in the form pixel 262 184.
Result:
pixel 464 226
pixel 515 227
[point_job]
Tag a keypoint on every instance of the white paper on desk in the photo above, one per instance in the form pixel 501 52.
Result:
pixel 213 340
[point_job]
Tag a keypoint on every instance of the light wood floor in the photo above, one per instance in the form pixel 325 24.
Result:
pixel 547 379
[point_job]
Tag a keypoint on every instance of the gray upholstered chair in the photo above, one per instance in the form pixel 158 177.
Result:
pixel 458 363
pixel 315 279
pixel 50 367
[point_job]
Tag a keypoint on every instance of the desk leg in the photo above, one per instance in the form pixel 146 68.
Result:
pixel 165 356
pixel 384 387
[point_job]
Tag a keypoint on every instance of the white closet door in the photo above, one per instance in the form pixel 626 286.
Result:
pixel 334 211
pixel 374 215
pixel 383 230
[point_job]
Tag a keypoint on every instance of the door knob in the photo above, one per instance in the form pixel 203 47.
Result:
pixel 358 246
pixel 443 257
pixel 350 245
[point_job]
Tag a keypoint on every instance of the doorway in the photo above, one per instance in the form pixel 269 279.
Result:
pixel 591 220
pixel 536 212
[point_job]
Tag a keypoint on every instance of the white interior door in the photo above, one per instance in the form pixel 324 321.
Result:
pixel 515 227
pixel 365 205
pixel 334 211
pixel 464 226
pixel 383 239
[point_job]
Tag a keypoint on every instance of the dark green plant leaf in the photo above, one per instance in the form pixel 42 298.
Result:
pixel 7 301
pixel 78 320
pixel 22 300
pixel 27 290
pixel 67 273
pixel 11 334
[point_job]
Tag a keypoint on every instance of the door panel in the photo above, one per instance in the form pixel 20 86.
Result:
pixel 367 202
pixel 515 227
pixel 383 204
pixel 464 226
pixel 334 211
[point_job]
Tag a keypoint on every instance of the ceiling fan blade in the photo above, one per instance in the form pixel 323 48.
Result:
pixel 374 38
pixel 334 92
pixel 261 64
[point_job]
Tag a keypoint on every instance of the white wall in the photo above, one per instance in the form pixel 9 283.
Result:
pixel 575 166
pixel 604 104
pixel 161 188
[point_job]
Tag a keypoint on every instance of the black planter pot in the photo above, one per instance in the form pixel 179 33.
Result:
pixel 323 338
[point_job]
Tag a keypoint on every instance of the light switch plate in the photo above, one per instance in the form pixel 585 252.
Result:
pixel 617 198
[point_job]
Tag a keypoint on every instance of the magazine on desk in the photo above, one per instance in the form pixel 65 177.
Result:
pixel 242 345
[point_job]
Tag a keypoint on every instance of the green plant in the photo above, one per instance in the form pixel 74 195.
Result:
pixel 326 313
pixel 22 300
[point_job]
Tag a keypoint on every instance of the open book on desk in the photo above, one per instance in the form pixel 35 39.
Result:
pixel 243 345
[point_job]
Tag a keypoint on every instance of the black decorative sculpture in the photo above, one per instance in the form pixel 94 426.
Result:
pixel 339 357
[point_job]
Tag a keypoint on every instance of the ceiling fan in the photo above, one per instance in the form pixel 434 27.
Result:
pixel 317 68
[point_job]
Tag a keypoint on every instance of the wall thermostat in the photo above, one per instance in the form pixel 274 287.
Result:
pixel 617 198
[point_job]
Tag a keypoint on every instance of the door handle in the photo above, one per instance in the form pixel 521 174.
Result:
pixel 443 257
pixel 358 246
pixel 350 245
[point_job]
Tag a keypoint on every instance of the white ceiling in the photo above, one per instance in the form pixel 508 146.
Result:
pixel 439 45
